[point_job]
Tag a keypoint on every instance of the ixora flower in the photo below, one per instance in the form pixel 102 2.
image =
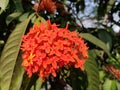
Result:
pixel 48 5
pixel 47 48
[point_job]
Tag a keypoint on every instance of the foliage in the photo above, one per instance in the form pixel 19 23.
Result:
pixel 102 68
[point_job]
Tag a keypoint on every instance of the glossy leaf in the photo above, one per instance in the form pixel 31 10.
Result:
pixel 95 41
pixel 9 55
pixel 3 5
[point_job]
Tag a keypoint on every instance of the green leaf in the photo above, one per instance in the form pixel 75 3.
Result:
pixel 10 53
pixel 101 75
pixel 31 82
pixel 93 74
pixel 39 20
pixel 96 41
pixel 18 5
pixel 23 16
pixel 38 84
pixel 109 84
pixel 78 79
pixel 3 5
pixel 32 88
pixel 115 62
pixel 94 53
pixel 1 42
pixel 17 75
pixel 12 16
pixel 110 5
pixel 106 38
pixel 118 85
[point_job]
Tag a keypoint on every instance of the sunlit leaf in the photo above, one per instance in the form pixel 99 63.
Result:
pixel 39 20
pixel 109 84
pixel 38 84
pixel 1 42
pixel 118 85
pixel 10 53
pixel 32 88
pixel 110 5
pixel 3 5
pixel 96 42
pixel 101 75
pixel 23 16
pixel 113 61
pixel 17 75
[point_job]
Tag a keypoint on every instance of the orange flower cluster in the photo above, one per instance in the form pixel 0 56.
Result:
pixel 47 48
pixel 47 5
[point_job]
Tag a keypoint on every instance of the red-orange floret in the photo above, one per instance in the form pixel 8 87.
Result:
pixel 47 48
pixel 48 5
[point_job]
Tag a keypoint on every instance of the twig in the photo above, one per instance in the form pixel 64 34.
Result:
pixel 76 16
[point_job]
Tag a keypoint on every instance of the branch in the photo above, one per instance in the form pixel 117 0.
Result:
pixel 75 15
